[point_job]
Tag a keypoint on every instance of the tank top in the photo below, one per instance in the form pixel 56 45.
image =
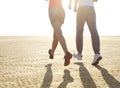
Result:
pixel 86 3
pixel 54 3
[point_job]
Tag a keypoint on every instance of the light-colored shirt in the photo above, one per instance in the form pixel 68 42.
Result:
pixel 54 3
pixel 86 3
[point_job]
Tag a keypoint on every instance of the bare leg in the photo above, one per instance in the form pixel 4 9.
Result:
pixel 70 3
pixel 57 29
pixel 54 43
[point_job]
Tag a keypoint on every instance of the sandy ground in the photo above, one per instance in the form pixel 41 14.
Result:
pixel 24 63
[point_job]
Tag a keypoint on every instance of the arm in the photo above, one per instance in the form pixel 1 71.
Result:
pixel 75 5
pixel 70 3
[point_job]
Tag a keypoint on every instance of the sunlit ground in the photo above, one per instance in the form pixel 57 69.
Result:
pixel 24 63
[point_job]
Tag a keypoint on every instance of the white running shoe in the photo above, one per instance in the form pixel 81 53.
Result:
pixel 78 56
pixel 96 59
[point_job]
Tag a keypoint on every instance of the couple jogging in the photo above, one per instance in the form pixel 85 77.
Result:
pixel 85 13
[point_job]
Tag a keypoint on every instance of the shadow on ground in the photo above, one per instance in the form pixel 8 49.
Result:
pixel 85 76
pixel 67 79
pixel 110 80
pixel 48 77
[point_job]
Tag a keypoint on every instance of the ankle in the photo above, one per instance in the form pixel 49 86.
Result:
pixel 67 53
pixel 51 52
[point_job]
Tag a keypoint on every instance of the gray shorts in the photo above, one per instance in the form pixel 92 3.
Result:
pixel 57 13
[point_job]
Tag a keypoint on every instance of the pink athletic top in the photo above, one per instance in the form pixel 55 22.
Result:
pixel 53 3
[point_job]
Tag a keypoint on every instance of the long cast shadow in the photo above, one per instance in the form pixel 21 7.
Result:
pixel 110 80
pixel 48 77
pixel 67 79
pixel 85 76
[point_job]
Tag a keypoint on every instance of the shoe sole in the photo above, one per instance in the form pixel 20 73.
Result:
pixel 97 61
pixel 78 58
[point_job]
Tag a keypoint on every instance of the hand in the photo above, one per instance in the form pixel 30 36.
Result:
pixel 75 9
pixel 69 7
pixel 95 0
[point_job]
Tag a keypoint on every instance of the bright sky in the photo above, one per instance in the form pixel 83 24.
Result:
pixel 30 17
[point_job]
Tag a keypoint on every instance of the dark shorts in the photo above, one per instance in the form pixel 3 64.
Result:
pixel 57 13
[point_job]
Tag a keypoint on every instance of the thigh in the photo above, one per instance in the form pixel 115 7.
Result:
pixel 52 14
pixel 57 14
pixel 61 14
pixel 81 18
pixel 57 27
pixel 91 20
